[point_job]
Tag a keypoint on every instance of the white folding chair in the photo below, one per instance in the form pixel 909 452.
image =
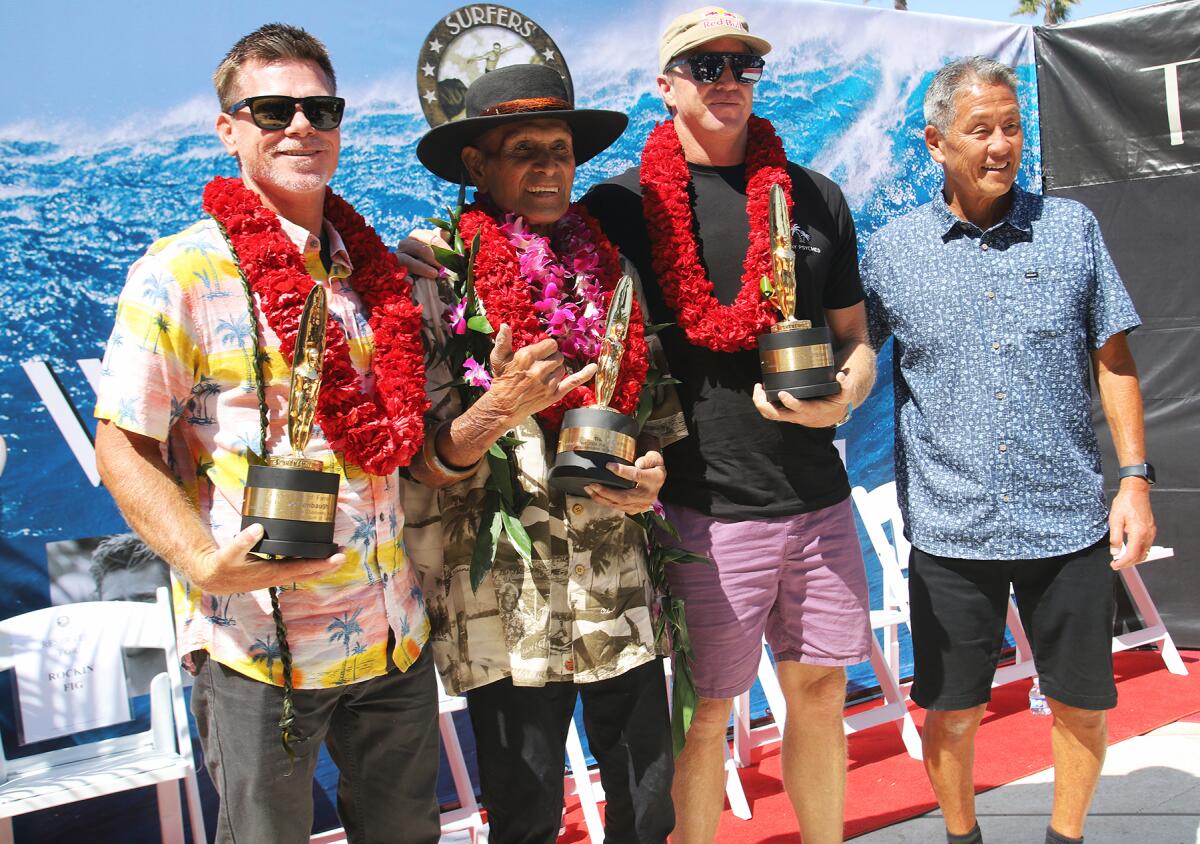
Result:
pixel 160 756
pixel 467 817
pixel 1155 632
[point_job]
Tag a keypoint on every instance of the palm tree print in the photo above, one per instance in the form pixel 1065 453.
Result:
pixel 343 629
pixel 265 651
pixel 236 332
pixel 364 532
pixel 358 650
pixel 155 291
pixel 162 324
pixel 204 388
pixel 199 249
pixel 125 411
pixel 219 615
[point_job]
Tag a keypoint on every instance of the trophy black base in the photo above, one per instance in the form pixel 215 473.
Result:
pixel 296 508
pixel 591 438
pixel 798 362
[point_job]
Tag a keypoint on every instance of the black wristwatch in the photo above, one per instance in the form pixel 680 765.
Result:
pixel 1137 470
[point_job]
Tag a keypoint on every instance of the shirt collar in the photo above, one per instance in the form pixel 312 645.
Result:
pixel 306 241
pixel 1019 214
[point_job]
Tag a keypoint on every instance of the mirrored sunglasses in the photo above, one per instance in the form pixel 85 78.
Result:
pixel 708 67
pixel 275 111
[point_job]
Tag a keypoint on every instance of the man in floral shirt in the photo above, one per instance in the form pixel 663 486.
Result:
pixel 574 617
pixel 195 384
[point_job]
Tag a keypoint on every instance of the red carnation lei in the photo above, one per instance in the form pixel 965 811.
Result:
pixel 675 255
pixel 380 432
pixel 507 300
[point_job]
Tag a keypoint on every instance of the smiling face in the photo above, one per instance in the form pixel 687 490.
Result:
pixel 286 164
pixel 980 150
pixel 716 108
pixel 527 168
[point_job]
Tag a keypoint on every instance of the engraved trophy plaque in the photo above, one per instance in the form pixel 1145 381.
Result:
pixel 291 497
pixel 594 436
pixel 796 358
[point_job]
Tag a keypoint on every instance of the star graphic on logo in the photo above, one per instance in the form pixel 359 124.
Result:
pixel 427 69
pixel 436 45
pixel 430 96
pixel 549 54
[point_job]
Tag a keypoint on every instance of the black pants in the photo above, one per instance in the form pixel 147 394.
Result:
pixel 520 734
pixel 382 734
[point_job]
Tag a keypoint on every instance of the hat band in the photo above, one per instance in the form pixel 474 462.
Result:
pixel 530 104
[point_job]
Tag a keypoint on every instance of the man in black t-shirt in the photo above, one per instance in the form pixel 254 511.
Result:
pixel 758 487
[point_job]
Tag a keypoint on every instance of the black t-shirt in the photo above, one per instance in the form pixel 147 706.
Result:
pixel 734 463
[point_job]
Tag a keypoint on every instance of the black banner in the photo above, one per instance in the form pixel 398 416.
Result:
pixel 1120 119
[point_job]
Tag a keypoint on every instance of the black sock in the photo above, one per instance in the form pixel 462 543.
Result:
pixel 1053 837
pixel 972 837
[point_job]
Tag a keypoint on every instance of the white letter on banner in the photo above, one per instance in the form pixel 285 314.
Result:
pixel 69 424
pixel 1171 81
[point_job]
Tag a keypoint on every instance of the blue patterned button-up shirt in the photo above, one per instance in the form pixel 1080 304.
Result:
pixel 996 457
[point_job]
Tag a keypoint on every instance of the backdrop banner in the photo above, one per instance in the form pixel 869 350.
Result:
pixel 1120 104
pixel 100 162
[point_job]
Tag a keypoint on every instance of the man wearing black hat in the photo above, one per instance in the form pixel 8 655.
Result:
pixel 571 613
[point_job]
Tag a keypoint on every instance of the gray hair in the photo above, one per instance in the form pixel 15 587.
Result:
pixel 954 77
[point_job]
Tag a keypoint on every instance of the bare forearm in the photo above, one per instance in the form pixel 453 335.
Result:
pixel 858 358
pixel 149 497
pixel 1121 398
pixel 466 440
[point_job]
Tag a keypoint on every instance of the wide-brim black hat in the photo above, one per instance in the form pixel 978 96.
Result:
pixel 510 95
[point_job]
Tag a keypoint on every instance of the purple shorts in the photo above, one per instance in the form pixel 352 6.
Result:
pixel 798 579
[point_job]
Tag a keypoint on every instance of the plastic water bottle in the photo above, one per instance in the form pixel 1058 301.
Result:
pixel 1037 700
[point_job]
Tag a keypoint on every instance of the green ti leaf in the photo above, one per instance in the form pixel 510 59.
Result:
pixel 656 327
pixel 484 553
pixel 448 258
pixel 518 536
pixel 480 323
pixel 437 221
pixel 469 287
pixel 683 687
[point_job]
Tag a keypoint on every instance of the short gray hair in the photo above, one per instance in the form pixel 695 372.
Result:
pixel 954 77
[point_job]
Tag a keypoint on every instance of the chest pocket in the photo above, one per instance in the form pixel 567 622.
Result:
pixel 1054 303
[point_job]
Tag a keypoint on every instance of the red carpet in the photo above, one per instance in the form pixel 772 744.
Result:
pixel 885 785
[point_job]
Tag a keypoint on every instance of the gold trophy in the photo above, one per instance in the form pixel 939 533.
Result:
pixel 594 436
pixel 796 358
pixel 291 496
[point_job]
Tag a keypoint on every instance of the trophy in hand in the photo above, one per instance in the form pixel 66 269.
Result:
pixel 594 436
pixel 291 497
pixel 796 358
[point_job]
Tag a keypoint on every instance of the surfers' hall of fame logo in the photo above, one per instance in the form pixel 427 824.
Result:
pixel 470 42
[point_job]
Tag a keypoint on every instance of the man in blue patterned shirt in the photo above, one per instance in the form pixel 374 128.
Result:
pixel 997 299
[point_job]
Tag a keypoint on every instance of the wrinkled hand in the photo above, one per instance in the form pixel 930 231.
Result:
pixel 416 255
pixel 231 568
pixel 1131 523
pixel 822 412
pixel 648 474
pixel 532 378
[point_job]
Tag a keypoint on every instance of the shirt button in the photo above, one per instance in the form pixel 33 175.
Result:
pixel 577 509
pixel 1004 446
pixel 995 344
pixel 579 570
pixel 991 294
pixel 984 247
pixel 1004 498
pixel 1000 395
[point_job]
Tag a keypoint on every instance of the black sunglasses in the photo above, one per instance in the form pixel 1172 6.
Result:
pixel 275 111
pixel 708 67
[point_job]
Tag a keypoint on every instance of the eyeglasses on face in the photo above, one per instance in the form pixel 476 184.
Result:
pixel 273 112
pixel 708 67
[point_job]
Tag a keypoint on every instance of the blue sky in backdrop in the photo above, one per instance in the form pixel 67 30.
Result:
pixel 74 65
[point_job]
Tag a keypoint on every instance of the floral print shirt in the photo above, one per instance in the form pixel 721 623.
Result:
pixel 179 369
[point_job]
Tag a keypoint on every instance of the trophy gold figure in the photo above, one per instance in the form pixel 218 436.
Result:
pixel 796 358
pixel 594 436
pixel 291 496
